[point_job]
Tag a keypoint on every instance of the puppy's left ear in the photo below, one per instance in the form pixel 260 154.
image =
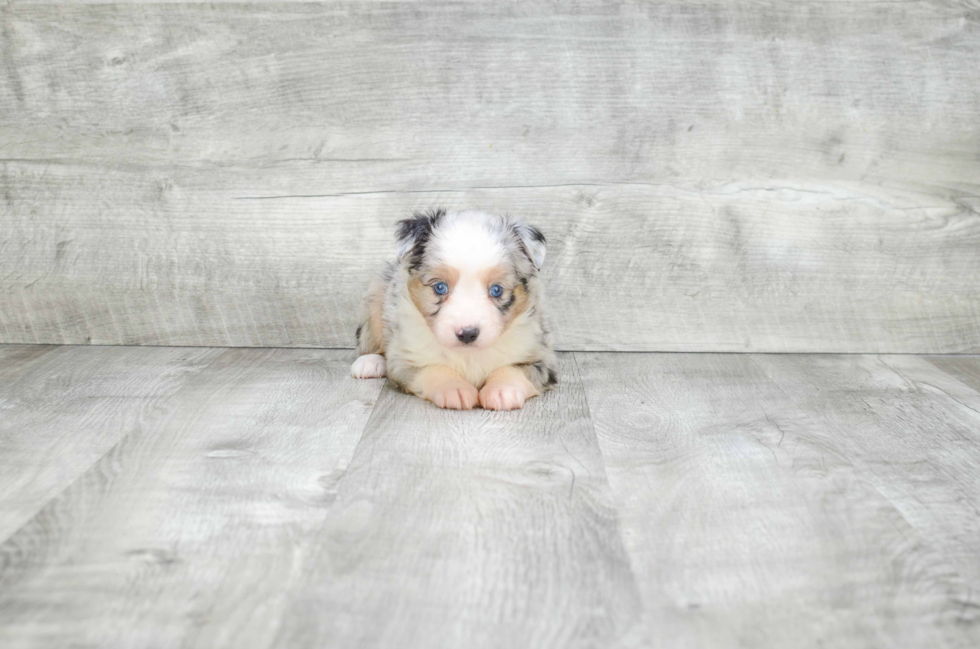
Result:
pixel 533 241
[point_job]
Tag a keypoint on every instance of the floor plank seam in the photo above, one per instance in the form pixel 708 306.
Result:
pixel 605 473
pixel 870 478
pixel 112 449
pixel 562 350
pixel 936 387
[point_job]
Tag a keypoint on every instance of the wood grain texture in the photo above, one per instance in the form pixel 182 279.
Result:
pixel 63 408
pixel 474 529
pixel 963 368
pixel 757 176
pixel 189 532
pixel 916 433
pixel 264 498
pixel 749 522
pixel 733 267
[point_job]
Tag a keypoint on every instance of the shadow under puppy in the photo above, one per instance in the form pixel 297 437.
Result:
pixel 457 318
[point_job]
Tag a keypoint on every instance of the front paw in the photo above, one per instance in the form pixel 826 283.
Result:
pixel 368 366
pixel 454 395
pixel 502 396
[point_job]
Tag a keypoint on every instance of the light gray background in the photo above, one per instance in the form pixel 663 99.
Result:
pixel 712 176
pixel 740 176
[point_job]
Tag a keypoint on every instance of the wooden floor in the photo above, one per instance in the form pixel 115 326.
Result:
pixel 196 497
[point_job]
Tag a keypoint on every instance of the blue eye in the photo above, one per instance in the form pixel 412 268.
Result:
pixel 440 288
pixel 496 290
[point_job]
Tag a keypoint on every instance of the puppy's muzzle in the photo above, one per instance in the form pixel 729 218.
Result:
pixel 467 334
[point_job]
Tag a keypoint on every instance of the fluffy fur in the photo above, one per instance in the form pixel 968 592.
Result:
pixel 425 341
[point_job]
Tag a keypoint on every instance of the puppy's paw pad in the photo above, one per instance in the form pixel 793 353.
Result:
pixel 455 396
pixel 368 366
pixel 502 397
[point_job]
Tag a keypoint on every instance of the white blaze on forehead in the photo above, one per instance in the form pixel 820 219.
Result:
pixel 468 245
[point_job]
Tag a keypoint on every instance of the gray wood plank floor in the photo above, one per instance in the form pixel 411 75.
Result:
pixel 206 497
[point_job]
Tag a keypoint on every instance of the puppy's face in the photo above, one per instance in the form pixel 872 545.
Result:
pixel 469 273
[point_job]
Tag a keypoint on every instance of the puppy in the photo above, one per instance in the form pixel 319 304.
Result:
pixel 457 318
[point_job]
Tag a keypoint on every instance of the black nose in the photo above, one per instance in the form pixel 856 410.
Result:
pixel 468 334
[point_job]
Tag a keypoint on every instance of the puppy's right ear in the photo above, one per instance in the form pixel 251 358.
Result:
pixel 412 235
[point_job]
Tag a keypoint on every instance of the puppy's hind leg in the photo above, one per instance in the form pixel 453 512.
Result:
pixel 370 363
pixel 369 366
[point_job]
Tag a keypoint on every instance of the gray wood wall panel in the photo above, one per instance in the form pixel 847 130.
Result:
pixel 712 176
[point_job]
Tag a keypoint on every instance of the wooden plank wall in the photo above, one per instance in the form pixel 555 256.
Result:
pixel 724 176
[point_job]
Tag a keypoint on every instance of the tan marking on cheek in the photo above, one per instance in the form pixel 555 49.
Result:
pixel 417 291
pixel 501 274
pixel 521 299
pixel 424 298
